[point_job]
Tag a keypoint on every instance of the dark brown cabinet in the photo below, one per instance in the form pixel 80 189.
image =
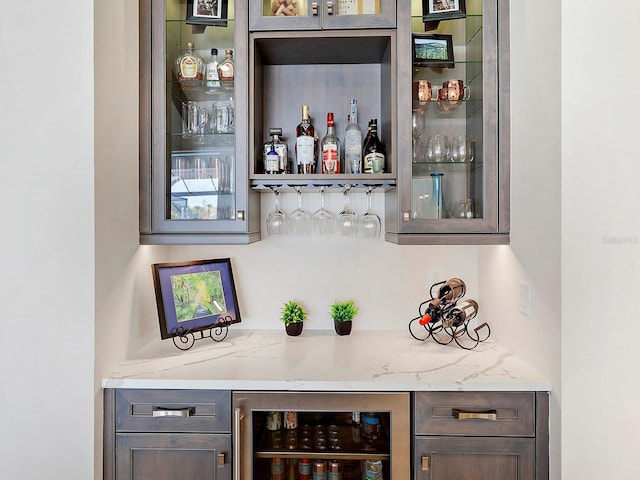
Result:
pixel 480 435
pixel 167 434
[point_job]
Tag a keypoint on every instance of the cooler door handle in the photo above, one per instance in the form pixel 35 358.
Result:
pixel 237 417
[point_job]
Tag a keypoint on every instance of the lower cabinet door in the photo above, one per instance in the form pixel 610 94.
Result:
pixel 478 458
pixel 171 456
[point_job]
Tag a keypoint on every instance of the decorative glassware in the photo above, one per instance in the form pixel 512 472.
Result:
pixel 276 220
pixel 323 220
pixel 436 204
pixel 347 218
pixel 417 130
pixel 370 222
pixel 462 149
pixel 299 219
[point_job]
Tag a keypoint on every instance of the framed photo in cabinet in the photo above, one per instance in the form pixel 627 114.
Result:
pixel 194 296
pixel 433 50
pixel 443 9
pixel 207 12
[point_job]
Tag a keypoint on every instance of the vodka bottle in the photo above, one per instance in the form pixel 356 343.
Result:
pixel 353 142
pixel 306 144
pixel 330 146
pixel 212 79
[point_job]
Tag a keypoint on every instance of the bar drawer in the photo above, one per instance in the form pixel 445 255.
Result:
pixel 475 413
pixel 184 411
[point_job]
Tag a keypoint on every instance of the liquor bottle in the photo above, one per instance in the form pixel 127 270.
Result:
pixel 281 148
pixel 374 151
pixel 271 160
pixel 190 68
pixel 330 147
pixel 367 138
pixel 306 144
pixel 226 69
pixel 353 142
pixel 213 81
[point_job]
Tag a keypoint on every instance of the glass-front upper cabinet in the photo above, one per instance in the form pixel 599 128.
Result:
pixel 453 168
pixel 321 14
pixel 193 158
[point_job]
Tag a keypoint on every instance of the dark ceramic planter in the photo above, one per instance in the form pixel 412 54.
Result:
pixel 342 328
pixel 294 329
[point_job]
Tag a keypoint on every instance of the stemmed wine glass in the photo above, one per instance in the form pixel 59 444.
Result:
pixel 276 220
pixel 370 222
pixel 299 219
pixel 417 130
pixel 347 218
pixel 323 220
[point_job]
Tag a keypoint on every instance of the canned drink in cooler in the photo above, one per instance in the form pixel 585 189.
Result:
pixel 304 469
pixel 274 421
pixel 335 470
pixel 291 420
pixel 372 470
pixel 277 469
pixel 319 470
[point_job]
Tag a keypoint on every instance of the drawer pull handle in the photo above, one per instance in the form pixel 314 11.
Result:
pixel 330 8
pixel 173 412
pixel 462 415
pixel 314 9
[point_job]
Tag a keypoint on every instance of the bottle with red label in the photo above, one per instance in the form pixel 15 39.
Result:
pixel 330 148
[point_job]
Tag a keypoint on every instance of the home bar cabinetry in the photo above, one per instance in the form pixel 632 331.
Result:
pixel 202 183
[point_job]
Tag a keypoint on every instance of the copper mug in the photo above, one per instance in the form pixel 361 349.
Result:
pixel 423 93
pixel 454 91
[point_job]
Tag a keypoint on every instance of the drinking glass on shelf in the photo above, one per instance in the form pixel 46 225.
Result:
pixel 462 149
pixel 347 218
pixel 369 222
pixel 438 148
pixel 276 220
pixel 417 131
pixel 465 208
pixel 323 221
pixel 299 219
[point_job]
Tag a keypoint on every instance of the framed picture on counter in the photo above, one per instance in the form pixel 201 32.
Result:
pixel 443 9
pixel 207 12
pixel 194 296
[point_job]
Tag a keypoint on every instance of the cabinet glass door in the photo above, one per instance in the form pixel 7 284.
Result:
pixel 321 14
pixel 200 113
pixel 454 176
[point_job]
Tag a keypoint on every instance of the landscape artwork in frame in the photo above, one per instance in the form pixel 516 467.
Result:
pixel 433 50
pixel 443 9
pixel 194 296
pixel 207 12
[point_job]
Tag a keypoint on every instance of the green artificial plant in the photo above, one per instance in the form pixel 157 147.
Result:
pixel 343 311
pixel 292 312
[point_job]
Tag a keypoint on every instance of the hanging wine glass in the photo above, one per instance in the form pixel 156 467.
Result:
pixel 323 221
pixel 347 218
pixel 299 219
pixel 276 220
pixel 370 222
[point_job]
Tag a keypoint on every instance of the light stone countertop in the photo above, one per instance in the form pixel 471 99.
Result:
pixel 320 360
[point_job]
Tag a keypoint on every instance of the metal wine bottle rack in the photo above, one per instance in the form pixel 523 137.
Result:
pixel 436 320
pixel 184 339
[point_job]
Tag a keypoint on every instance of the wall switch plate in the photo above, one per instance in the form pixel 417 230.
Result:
pixel 525 299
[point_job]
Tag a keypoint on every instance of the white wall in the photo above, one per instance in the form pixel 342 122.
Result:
pixel 600 239
pixel 47 254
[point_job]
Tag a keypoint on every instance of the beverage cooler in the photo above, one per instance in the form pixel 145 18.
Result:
pixel 304 435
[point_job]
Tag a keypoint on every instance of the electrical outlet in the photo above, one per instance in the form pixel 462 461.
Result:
pixel 436 275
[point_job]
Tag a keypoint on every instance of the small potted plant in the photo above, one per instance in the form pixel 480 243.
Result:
pixel 292 316
pixel 342 314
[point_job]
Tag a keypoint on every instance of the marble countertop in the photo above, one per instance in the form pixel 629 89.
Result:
pixel 320 360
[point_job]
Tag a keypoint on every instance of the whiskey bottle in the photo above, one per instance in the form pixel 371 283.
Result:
pixel 190 68
pixel 306 144
pixel 273 165
pixel 353 142
pixel 374 155
pixel 213 82
pixel 226 69
pixel 330 147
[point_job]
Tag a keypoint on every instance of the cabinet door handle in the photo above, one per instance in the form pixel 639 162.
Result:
pixel 462 415
pixel 185 412
pixel 237 417
pixel 424 463
pixel 220 460
pixel 329 8
pixel 314 9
